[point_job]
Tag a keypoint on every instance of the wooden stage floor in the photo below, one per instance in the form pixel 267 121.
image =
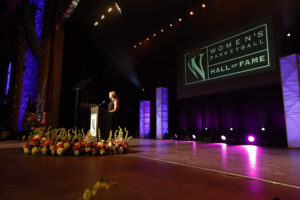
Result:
pixel 155 169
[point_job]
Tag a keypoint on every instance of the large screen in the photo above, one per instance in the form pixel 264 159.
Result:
pixel 243 52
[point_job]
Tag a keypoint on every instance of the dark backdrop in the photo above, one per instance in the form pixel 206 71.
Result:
pixel 246 111
pixel 92 53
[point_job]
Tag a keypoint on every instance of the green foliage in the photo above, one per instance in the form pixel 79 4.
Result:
pixel 99 135
pixel 89 194
pixel 4 134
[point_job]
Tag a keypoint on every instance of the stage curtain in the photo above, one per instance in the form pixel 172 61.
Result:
pixel 247 111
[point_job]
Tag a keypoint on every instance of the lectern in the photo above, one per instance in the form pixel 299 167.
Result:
pixel 94 122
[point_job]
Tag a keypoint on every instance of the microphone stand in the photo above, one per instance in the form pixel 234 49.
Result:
pixel 76 108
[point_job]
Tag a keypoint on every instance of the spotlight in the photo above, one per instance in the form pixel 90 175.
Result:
pixel 102 17
pixel 162 30
pixel 171 25
pixel 134 46
pixel 118 7
pixel 263 129
pixel 231 129
pixel 251 139
pixel 147 39
pixel 96 23
pixel 223 138
pixel 191 13
pixel 194 136
pixel 176 136
pixel 154 35
pixel 140 43
pixel 206 129
pixel 203 5
pixel 143 89
pixel 180 19
pixel 288 34
pixel 109 9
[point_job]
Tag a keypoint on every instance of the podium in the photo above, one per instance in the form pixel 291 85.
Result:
pixel 99 120
pixel 94 123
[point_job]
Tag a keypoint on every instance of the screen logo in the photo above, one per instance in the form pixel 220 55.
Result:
pixel 237 54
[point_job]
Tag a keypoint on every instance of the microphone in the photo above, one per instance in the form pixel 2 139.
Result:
pixel 103 102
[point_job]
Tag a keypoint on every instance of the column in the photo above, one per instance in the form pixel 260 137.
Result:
pixel 161 112
pixel 289 67
pixel 144 118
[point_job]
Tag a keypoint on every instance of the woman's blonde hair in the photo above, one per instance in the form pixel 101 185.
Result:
pixel 113 94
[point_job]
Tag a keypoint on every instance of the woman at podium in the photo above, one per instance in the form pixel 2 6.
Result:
pixel 113 111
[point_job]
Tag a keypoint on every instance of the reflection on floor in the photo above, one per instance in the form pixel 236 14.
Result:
pixel 273 164
pixel 155 169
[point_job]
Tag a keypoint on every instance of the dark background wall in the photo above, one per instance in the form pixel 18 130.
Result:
pixel 107 56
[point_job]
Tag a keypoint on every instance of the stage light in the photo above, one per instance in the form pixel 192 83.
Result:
pixel 206 129
pixel 102 17
pixel 118 7
pixel 203 5
pixel 194 136
pixel 143 89
pixel 140 43
pixel 162 30
pixel 191 13
pixel 134 46
pixel 147 39
pixel 109 9
pixel 154 35
pixel 223 138
pixel 96 23
pixel 180 19
pixel 288 34
pixel 171 25
pixel 251 139
pixel 231 129
pixel 263 129
pixel 176 136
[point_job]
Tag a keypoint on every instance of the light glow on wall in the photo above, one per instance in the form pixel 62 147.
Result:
pixel 161 112
pixel 31 65
pixel 290 80
pixel 144 118
pixel 8 79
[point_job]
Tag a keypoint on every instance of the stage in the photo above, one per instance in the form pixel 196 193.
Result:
pixel 155 169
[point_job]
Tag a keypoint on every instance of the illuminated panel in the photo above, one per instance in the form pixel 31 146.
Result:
pixel 31 65
pixel 144 118
pixel 290 90
pixel 161 112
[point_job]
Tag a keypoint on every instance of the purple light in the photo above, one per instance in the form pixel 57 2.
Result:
pixel 31 65
pixel 223 137
pixel 290 78
pixel 251 138
pixel 161 112
pixel 8 78
pixel 144 118
pixel 252 155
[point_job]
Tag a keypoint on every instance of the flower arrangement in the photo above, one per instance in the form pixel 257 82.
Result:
pixel 30 121
pixel 76 142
